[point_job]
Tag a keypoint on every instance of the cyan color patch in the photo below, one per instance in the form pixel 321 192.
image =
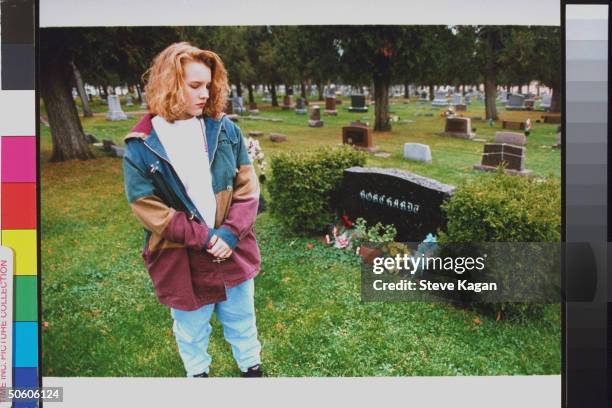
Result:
pixel 25 349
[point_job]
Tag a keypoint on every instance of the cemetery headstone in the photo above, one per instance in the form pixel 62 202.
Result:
pixel 287 102
pixel 238 105
pixel 496 154
pixel 256 133
pixel 515 102
pixel 461 107
pixel 118 151
pixel 114 109
pixel 512 124
pixel 314 119
pixel 529 104
pixel 107 145
pixel 300 106
pixel 440 99
pixel 417 151
pixel 129 101
pixel 253 110
pixel 457 99
pixel 517 139
pixel 278 138
pixel 91 139
pixel 358 135
pixel 330 106
pixel 551 118
pixel 408 201
pixel 545 102
pixel 458 127
pixel 358 104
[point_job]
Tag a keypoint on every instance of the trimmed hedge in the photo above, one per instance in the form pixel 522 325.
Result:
pixel 504 208
pixel 302 184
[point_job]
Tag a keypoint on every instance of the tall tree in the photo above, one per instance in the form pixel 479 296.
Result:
pixel 371 54
pixel 56 75
pixel 547 64
pixel 491 41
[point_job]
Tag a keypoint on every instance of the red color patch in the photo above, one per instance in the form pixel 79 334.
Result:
pixel 18 206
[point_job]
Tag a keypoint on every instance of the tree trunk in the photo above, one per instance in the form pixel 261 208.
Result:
pixel 490 79
pixel 320 89
pixel 406 91
pixel 66 131
pixel 238 89
pixel 78 81
pixel 273 95
pixel 381 106
pixel 250 91
pixel 431 92
pixel 103 92
pixel 139 92
pixel 303 89
pixel 555 102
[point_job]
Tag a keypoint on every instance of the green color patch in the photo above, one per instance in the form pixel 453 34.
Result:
pixel 26 299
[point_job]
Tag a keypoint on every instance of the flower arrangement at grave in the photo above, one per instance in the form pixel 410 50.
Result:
pixel 256 156
pixel 527 127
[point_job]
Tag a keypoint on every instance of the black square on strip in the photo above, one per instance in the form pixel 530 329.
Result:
pixel 18 71
pixel 17 21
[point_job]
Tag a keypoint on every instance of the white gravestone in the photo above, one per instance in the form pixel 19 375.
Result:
pixel 417 151
pixel 114 109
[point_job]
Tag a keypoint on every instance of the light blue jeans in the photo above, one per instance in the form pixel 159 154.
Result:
pixel 236 315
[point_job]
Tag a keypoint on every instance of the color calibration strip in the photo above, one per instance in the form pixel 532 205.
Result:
pixel 586 194
pixel 18 179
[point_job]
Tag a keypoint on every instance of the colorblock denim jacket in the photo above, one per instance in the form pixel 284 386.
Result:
pixel 185 276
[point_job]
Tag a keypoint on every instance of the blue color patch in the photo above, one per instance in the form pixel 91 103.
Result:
pixel 25 377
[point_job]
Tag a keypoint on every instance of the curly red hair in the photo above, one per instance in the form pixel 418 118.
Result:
pixel 165 81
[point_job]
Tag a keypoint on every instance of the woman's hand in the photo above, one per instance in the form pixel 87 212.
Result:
pixel 218 248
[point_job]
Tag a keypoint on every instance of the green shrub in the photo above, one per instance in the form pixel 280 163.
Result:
pixel 302 184
pixel 504 208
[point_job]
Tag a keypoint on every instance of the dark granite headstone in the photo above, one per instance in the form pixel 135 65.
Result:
pixel 408 201
pixel 358 104
pixel 107 145
pixel 300 106
pixel 496 154
pixel 91 139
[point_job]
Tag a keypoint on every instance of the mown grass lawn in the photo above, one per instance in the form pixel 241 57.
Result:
pixel 103 318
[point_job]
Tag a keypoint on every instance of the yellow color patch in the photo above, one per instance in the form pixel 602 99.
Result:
pixel 23 243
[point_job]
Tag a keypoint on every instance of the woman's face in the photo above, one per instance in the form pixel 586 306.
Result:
pixel 197 82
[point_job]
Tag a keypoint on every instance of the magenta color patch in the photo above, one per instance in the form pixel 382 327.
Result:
pixel 18 159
